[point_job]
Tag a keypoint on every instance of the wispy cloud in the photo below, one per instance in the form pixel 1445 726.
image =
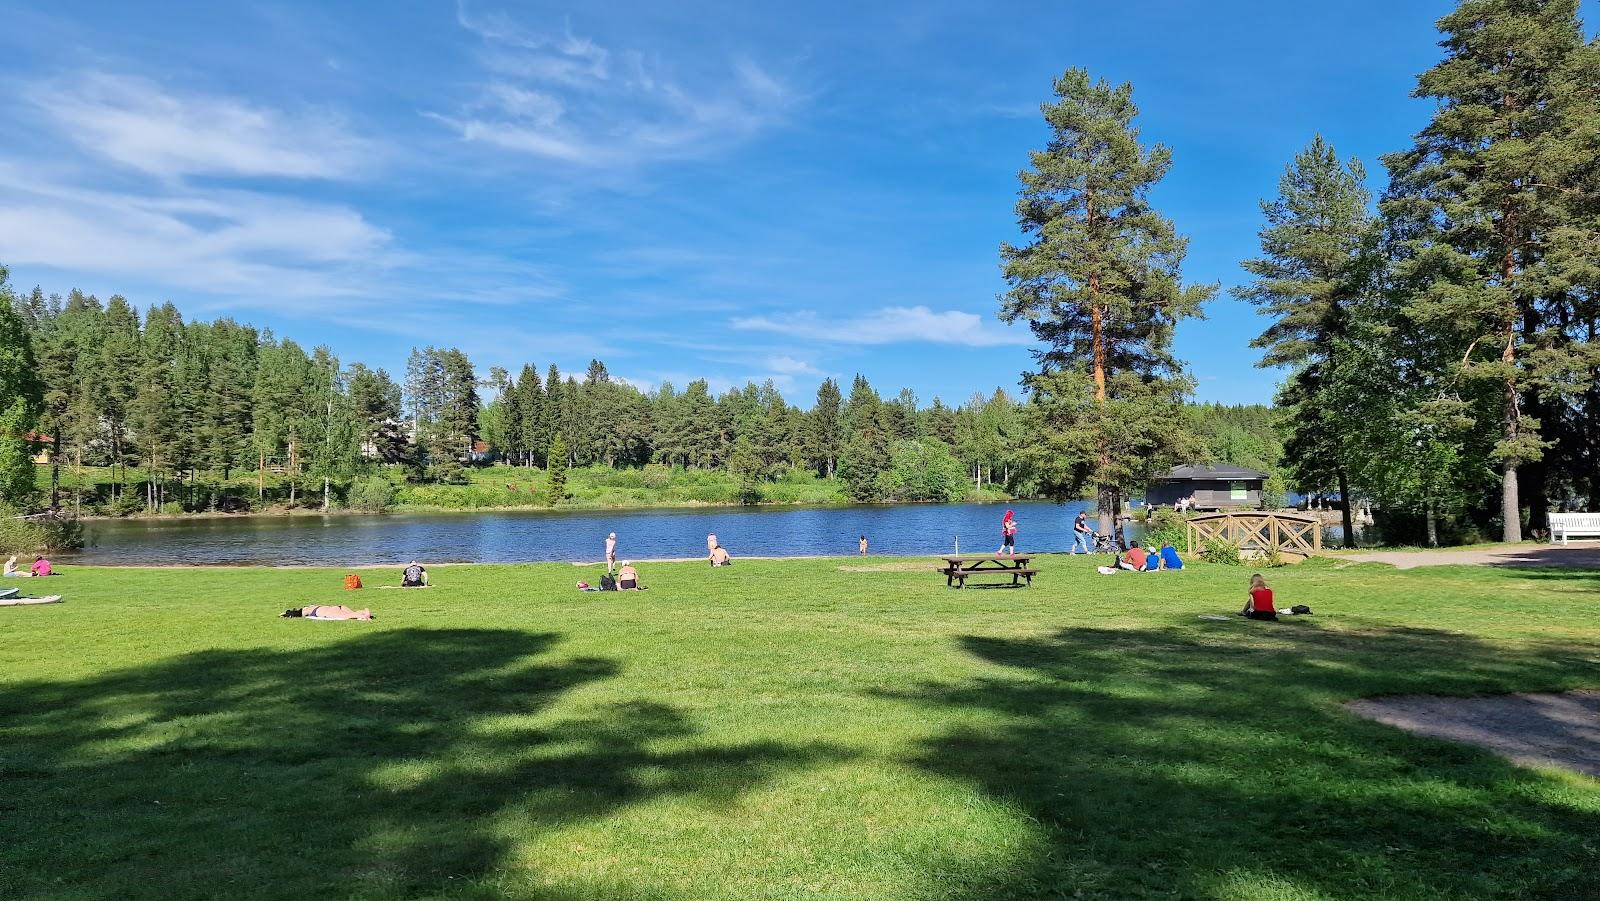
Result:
pixel 141 125
pixel 561 97
pixel 891 325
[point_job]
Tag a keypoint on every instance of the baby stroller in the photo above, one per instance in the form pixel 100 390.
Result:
pixel 1106 544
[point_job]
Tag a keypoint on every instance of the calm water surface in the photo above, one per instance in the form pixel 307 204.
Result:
pixel 509 537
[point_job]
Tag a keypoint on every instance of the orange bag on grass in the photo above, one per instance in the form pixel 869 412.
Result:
pixel 351 582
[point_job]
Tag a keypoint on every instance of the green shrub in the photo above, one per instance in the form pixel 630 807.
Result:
pixel 656 476
pixel 371 494
pixel 1219 551
pixel 1167 526
pixel 36 536
pixel 1273 558
pixel 129 503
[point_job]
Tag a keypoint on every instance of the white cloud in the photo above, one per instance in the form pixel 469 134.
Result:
pixel 558 97
pixel 791 367
pixel 137 123
pixel 216 240
pixel 891 325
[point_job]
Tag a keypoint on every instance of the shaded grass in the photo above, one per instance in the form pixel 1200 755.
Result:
pixel 782 729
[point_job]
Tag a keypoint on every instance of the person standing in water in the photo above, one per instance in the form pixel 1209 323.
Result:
pixel 611 551
pixel 863 545
pixel 1008 535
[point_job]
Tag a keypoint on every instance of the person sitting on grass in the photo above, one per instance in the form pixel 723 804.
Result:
pixel 719 556
pixel 1135 559
pixel 12 571
pixel 326 611
pixel 1169 556
pixel 1258 604
pixel 415 576
pixel 627 577
pixel 41 567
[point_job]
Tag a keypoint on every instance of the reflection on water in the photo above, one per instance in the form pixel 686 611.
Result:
pixel 504 537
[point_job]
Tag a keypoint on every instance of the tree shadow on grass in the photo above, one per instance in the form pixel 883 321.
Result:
pixel 1216 763
pixel 396 764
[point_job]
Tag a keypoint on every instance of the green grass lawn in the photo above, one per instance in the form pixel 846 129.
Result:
pixel 782 730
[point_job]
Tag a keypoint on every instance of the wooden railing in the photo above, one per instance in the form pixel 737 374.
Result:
pixel 1255 532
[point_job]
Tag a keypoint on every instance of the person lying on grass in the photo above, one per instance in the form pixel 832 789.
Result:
pixel 1258 603
pixel 326 611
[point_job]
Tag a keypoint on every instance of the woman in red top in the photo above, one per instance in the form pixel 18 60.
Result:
pixel 1259 603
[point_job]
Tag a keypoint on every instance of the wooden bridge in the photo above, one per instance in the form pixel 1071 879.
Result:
pixel 1256 532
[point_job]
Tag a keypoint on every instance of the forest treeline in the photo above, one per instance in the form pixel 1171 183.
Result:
pixel 185 405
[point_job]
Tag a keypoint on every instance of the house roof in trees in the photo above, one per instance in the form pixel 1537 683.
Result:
pixel 1221 472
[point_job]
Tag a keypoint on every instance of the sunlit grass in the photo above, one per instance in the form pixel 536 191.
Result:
pixel 782 729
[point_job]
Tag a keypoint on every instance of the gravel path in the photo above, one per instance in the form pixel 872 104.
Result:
pixel 1577 556
pixel 1560 730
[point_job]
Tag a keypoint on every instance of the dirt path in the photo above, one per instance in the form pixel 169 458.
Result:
pixel 1523 557
pixel 1560 730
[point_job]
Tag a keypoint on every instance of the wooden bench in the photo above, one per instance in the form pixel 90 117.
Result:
pixel 1574 525
pixel 957 570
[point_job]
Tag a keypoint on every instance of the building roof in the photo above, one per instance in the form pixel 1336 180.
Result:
pixel 1222 472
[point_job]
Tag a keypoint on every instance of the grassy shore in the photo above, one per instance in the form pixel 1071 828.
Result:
pixel 783 729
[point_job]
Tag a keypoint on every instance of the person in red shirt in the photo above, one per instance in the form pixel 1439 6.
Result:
pixel 1258 604
pixel 1135 558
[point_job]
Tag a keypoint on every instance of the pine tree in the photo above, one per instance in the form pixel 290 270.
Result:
pixel 1487 211
pixel 557 468
pixel 531 400
pixel 1319 263
pixel 825 429
pixel 118 377
pixel 1100 284
pixel 152 413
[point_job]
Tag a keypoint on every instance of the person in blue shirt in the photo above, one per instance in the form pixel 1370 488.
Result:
pixel 1152 563
pixel 1169 556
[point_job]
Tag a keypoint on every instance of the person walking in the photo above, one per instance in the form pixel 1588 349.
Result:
pixel 611 551
pixel 1081 534
pixel 1008 535
pixel 711 544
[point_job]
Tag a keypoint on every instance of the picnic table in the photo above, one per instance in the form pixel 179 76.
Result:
pixel 958 569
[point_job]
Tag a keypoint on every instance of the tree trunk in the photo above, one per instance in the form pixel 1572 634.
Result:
pixel 325 486
pixel 1103 500
pixel 1348 516
pixel 1510 508
pixel 55 468
pixel 1433 524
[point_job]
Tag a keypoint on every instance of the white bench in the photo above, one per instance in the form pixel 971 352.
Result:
pixel 1574 525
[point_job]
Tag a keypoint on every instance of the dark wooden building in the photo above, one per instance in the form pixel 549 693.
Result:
pixel 1219 487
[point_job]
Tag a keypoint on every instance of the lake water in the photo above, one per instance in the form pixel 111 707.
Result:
pixel 510 537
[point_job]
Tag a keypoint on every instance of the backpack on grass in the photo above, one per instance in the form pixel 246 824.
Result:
pixel 351 582
pixel 608 582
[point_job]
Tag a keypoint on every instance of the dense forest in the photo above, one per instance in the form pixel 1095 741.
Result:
pixel 175 409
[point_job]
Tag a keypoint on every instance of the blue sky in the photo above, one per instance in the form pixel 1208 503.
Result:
pixel 721 189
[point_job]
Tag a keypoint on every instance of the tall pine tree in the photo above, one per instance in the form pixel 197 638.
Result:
pixel 1099 282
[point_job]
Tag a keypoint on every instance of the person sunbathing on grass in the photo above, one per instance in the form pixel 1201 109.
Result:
pixel 1258 603
pixel 326 611
pixel 414 576
pixel 719 556
pixel 627 577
